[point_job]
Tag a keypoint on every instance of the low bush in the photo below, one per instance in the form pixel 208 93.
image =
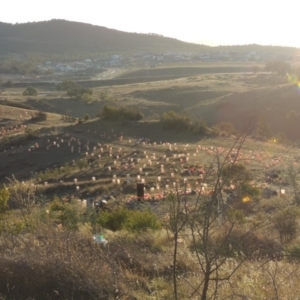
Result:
pixel 30 91
pixel 79 92
pixel 68 214
pixel 175 121
pixel 130 220
pixel 39 116
pixel 120 113
pixel 181 122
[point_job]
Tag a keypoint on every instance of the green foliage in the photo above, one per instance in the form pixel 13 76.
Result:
pixel 246 189
pixel 30 91
pixel 199 127
pixel 56 204
pixel 70 217
pixel 66 85
pixel 131 220
pixel 30 134
pixel 181 122
pixel 78 92
pixel 4 197
pixel 142 220
pixel 39 116
pixel 120 113
pixel 234 173
pixel 175 121
pixel 67 214
pixel 103 96
pixel 86 117
pixel 73 89
pixel 87 98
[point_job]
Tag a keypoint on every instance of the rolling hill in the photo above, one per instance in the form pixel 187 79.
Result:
pixel 73 39
pixel 60 36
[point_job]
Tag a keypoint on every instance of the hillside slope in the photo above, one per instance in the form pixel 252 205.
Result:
pixel 60 36
pixel 67 38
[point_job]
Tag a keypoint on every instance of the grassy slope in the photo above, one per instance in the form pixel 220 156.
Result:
pixel 142 264
pixel 215 97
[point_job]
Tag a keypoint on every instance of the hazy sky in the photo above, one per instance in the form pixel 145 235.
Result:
pixel 212 22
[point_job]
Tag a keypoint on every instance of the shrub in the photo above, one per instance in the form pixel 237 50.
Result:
pixel 30 91
pixel 180 122
pixel 86 117
pixel 67 214
pixel 30 134
pixel 39 116
pixel 142 220
pixel 225 127
pixel 103 96
pixel 79 91
pixel 131 220
pixel 199 128
pixel 66 85
pixel 87 98
pixel 124 113
pixel 235 172
pixel 175 121
pixel 114 220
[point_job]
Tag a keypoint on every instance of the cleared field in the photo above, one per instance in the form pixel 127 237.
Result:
pixel 184 71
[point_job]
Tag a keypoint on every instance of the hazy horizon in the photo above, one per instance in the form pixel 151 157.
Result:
pixel 213 24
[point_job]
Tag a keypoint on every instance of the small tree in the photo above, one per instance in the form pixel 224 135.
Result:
pixel 215 230
pixel 66 85
pixel 30 91
pixel 86 117
pixel 87 98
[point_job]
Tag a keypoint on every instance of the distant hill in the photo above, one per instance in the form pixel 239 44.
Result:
pixel 61 38
pixel 65 37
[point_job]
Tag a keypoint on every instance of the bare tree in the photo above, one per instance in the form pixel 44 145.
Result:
pixel 215 227
pixel 177 220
